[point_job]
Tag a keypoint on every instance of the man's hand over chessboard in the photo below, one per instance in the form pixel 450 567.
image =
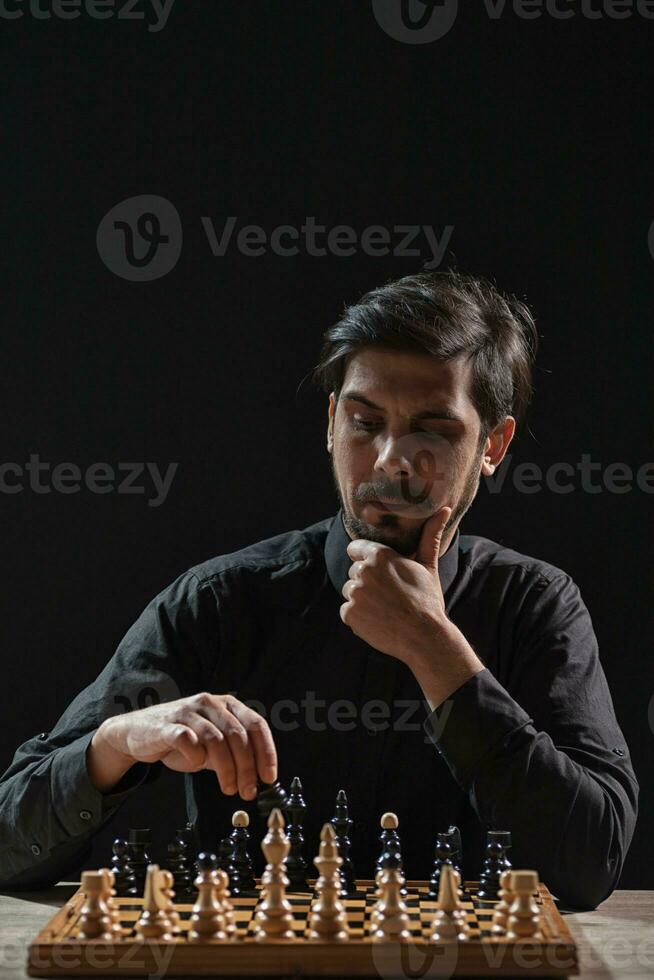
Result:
pixel 204 731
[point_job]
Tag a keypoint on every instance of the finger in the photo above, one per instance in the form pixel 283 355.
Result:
pixel 349 588
pixel 218 753
pixel 263 744
pixel 429 548
pixel 356 569
pixel 184 740
pixel 361 549
pixel 239 745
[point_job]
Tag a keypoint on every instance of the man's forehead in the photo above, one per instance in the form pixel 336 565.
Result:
pixel 411 377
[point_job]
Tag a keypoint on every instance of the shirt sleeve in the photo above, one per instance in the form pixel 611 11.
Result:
pixel 542 754
pixel 49 809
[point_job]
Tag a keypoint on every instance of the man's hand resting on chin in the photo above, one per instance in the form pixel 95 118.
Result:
pixel 396 605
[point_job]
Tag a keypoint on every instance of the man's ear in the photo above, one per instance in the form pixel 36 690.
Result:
pixel 496 445
pixel 331 411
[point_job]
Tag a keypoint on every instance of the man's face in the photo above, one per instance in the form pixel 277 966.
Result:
pixel 404 441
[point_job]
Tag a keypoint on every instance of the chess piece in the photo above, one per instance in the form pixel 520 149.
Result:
pixel 390 922
pixel 327 919
pixel 123 872
pixel 109 896
pixel 207 919
pixel 296 865
pixel 457 850
pixel 222 896
pixel 139 842
pixel 342 824
pixel 449 922
pixel 95 919
pixel 182 868
pixel 274 918
pixel 225 848
pixel 239 867
pixel 269 797
pixel 389 840
pixel 524 915
pixel 444 852
pixel 496 861
pixel 153 922
pixel 166 884
pixel 506 897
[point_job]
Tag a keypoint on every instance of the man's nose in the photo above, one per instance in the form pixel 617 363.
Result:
pixel 395 459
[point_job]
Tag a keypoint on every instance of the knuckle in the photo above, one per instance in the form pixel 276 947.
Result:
pixel 203 699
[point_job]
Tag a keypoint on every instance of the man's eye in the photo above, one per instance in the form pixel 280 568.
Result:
pixel 366 425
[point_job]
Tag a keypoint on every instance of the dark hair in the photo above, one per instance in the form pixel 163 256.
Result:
pixel 446 314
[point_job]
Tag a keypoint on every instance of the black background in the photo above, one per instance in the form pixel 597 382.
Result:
pixel 531 137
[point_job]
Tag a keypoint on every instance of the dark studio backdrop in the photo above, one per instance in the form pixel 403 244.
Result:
pixel 523 143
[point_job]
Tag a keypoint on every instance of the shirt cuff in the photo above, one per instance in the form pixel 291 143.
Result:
pixel 79 806
pixel 474 723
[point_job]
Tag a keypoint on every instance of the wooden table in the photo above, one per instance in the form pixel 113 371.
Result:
pixel 616 940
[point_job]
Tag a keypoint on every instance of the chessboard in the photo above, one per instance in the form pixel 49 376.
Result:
pixel 59 951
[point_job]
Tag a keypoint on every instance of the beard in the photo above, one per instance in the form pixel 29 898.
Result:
pixel 389 531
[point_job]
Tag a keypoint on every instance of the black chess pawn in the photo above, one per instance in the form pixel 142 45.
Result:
pixel 139 842
pixel 496 861
pixel 239 867
pixel 189 836
pixel 296 865
pixel 207 861
pixel 182 868
pixel 269 796
pixel 224 856
pixel 445 852
pixel 126 883
pixel 342 824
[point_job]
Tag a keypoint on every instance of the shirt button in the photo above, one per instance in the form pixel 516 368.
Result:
pixel 42 736
pixel 35 849
pixel 618 751
pixel 373 731
pixel 85 814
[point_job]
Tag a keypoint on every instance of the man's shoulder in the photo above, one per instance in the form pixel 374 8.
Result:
pixel 284 551
pixel 482 555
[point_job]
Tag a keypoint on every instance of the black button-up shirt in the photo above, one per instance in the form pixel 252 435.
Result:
pixel 530 744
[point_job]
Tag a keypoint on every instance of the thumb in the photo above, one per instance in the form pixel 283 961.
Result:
pixel 430 539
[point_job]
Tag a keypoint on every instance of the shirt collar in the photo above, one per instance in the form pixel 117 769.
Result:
pixel 338 561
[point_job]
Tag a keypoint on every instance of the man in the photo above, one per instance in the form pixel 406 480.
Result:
pixel 382 651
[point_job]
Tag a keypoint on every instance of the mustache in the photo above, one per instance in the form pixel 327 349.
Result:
pixel 401 494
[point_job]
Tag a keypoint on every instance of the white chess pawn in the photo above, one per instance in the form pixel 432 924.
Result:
pixel 95 918
pixel 524 915
pixel 391 918
pixel 207 920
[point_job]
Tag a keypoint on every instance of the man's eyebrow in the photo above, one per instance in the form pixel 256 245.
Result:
pixel 435 413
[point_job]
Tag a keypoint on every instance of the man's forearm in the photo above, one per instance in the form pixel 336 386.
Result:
pixel 105 765
pixel 444 665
